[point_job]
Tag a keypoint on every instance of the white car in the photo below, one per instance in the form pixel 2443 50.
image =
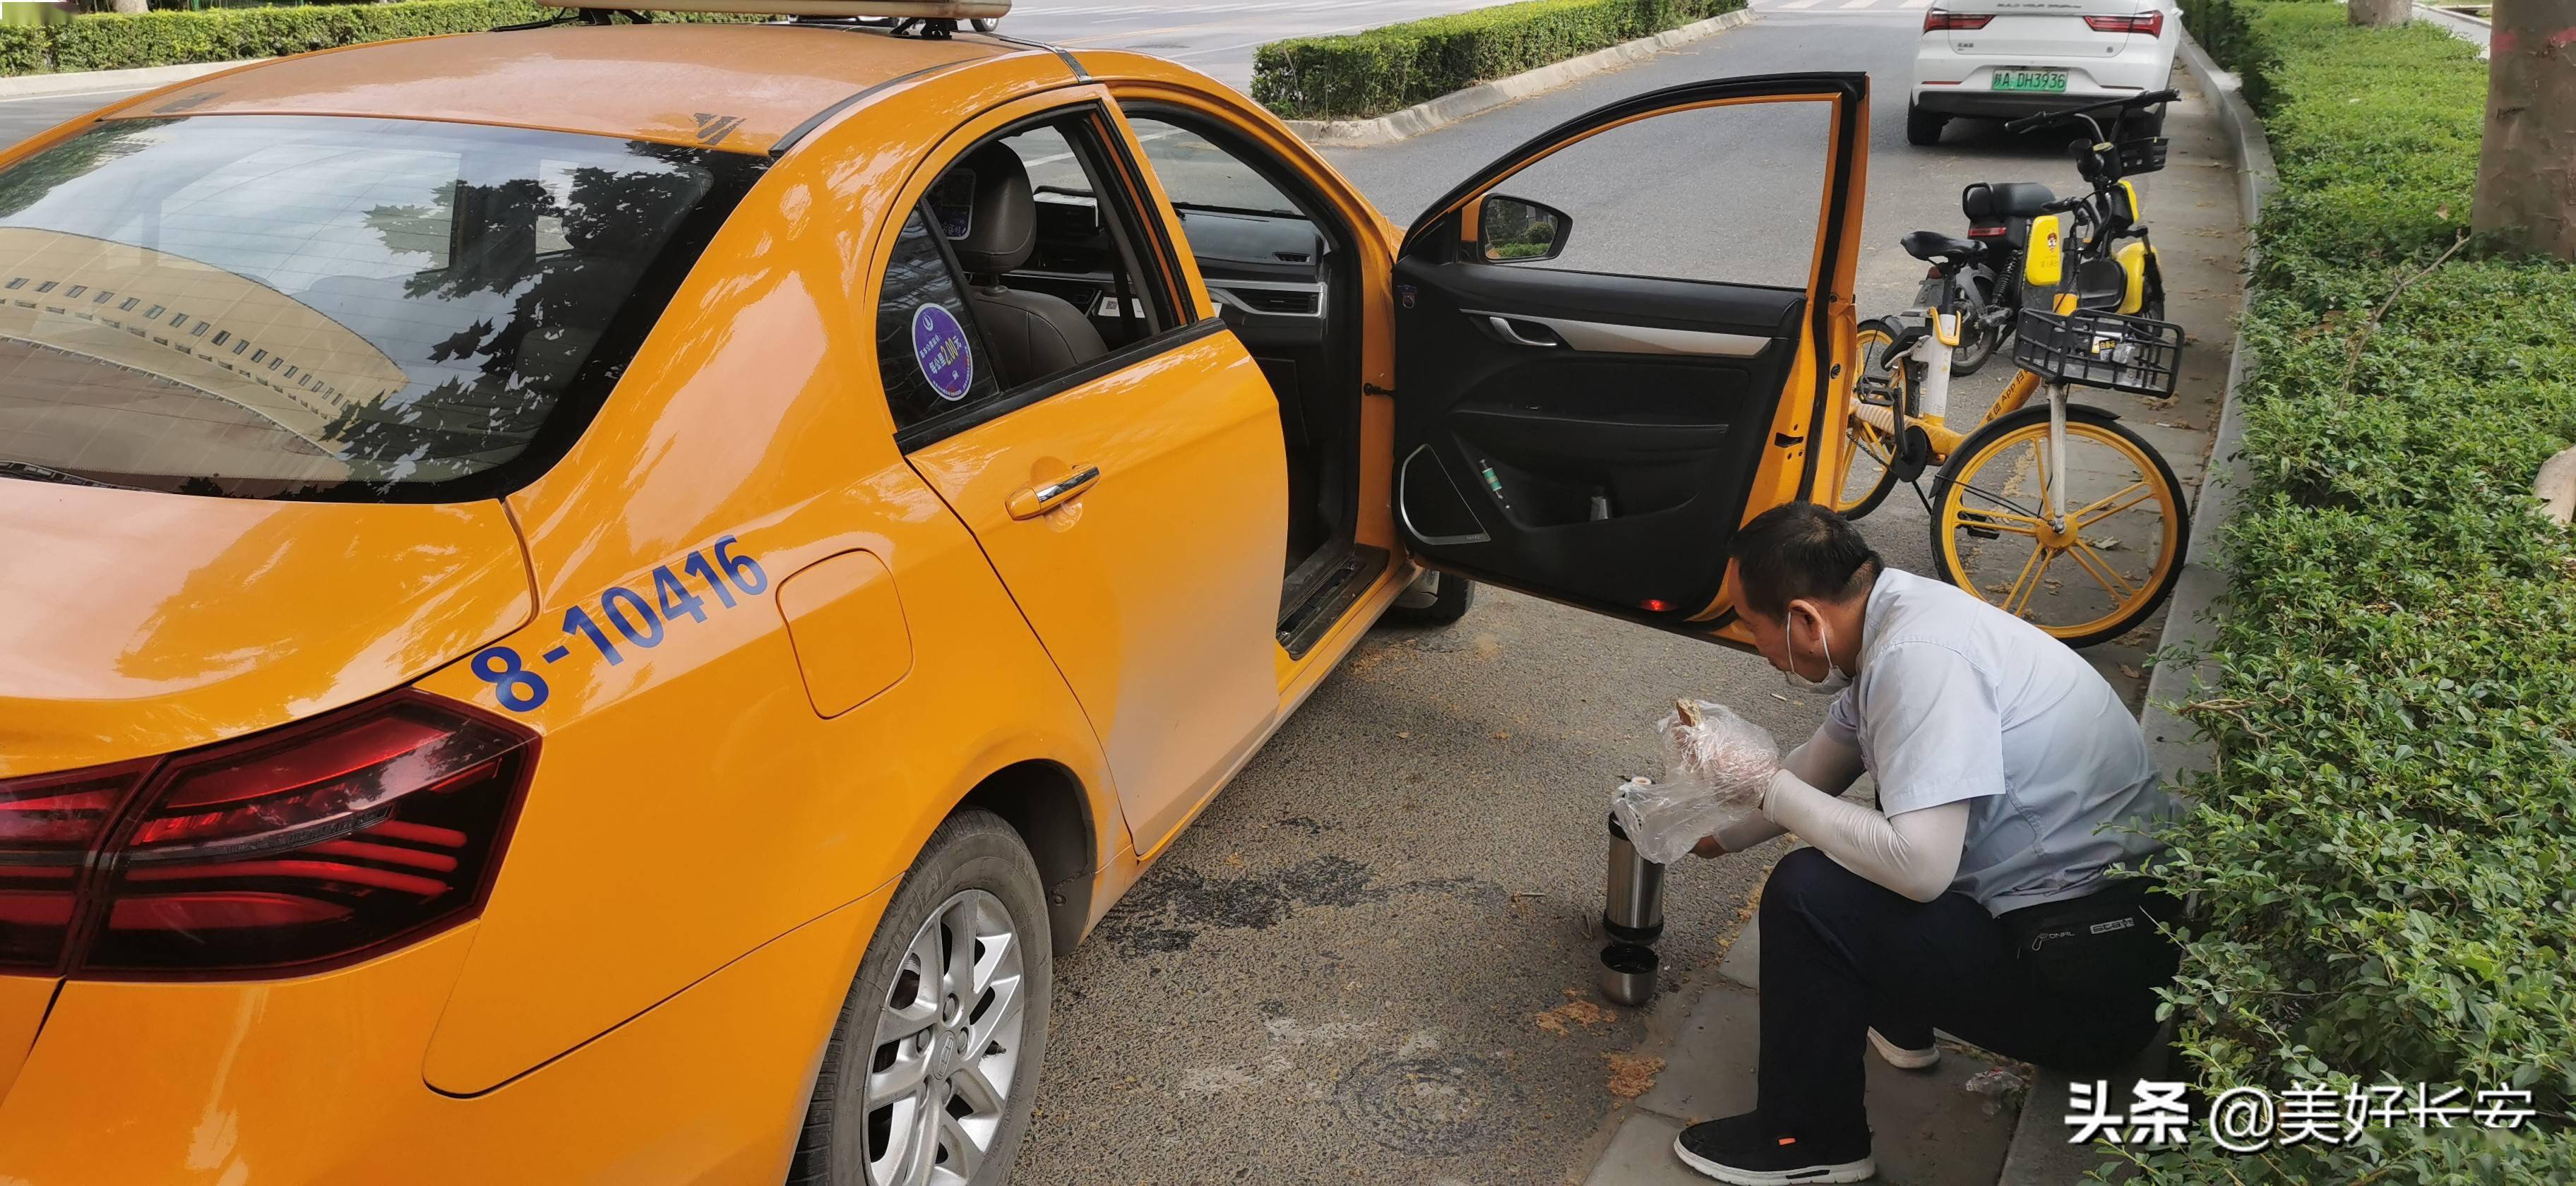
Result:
pixel 2007 58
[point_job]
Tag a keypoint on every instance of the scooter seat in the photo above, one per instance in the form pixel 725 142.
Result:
pixel 1931 245
pixel 1986 201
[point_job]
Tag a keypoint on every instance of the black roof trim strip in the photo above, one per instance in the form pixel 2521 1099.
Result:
pixel 1071 62
pixel 566 17
pixel 811 122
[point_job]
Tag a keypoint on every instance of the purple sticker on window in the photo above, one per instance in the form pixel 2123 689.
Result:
pixel 939 346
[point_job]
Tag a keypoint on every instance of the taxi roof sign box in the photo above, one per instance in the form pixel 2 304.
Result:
pixel 955 10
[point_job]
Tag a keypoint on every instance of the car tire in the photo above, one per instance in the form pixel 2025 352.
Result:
pixel 1923 128
pixel 974 875
pixel 1449 602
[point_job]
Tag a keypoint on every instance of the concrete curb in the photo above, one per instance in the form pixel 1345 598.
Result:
pixel 32 86
pixel 1476 100
pixel 2191 616
pixel 2039 1155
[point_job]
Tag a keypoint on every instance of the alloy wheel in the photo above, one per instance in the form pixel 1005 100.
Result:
pixel 947 1047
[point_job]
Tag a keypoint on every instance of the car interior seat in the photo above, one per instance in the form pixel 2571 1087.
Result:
pixel 1034 334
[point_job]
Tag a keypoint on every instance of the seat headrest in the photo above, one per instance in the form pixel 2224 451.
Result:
pixel 1002 220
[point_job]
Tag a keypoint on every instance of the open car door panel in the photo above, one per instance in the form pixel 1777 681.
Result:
pixel 1596 438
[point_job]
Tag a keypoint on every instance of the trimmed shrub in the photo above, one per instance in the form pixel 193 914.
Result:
pixel 2384 857
pixel 116 41
pixel 1387 69
pixel 112 41
pixel 26 49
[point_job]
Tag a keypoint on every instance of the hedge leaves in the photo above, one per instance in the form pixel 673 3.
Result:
pixel 2385 855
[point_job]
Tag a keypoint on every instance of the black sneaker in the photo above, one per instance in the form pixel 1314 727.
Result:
pixel 1744 1151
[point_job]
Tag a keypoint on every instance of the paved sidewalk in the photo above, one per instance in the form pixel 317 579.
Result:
pixel 1929 1129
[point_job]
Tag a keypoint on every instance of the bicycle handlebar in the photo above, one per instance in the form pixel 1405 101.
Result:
pixel 2048 117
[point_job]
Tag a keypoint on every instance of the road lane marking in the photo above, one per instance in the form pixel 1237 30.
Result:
pixel 1796 4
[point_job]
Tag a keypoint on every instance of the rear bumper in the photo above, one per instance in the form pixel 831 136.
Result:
pixel 1961 100
pixel 319 1080
pixel 1962 84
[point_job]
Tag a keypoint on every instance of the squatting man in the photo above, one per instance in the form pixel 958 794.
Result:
pixel 2002 890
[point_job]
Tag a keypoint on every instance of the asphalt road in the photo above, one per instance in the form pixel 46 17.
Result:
pixel 1371 959
pixel 1215 38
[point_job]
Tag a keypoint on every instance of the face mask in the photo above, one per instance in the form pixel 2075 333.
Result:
pixel 1836 679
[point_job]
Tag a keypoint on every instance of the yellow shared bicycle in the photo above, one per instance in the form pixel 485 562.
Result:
pixel 2056 512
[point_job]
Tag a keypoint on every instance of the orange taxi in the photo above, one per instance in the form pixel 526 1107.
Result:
pixel 593 602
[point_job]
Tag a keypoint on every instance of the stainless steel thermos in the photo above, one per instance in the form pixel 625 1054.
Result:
pixel 1632 918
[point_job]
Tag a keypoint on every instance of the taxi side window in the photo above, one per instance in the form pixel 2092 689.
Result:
pixel 1030 267
pixel 929 353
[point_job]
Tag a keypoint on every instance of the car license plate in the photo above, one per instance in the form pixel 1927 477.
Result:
pixel 2030 80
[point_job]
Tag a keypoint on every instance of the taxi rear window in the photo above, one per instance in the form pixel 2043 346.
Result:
pixel 331 308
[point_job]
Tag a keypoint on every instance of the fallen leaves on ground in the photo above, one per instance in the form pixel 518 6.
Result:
pixel 1632 1076
pixel 1576 1011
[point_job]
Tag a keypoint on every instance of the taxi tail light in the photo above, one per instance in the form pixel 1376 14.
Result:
pixel 1935 20
pixel 49 826
pixel 288 851
pixel 2149 24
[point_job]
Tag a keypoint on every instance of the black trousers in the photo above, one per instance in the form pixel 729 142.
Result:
pixel 1841 954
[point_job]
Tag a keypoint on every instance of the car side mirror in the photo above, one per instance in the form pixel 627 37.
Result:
pixel 1516 230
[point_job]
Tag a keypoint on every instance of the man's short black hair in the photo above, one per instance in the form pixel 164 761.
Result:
pixel 1800 550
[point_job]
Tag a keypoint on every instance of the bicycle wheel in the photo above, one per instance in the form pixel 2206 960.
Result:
pixel 2122 549
pixel 1862 476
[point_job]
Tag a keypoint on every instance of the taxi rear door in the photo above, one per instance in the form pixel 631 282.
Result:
pixel 1596 438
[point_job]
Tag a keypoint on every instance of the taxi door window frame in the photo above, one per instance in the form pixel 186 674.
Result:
pixel 1147 250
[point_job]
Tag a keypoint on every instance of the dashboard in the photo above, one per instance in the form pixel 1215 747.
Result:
pixel 1264 270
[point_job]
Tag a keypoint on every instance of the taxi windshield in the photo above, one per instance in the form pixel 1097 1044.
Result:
pixel 326 307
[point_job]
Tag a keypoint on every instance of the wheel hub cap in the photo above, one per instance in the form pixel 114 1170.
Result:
pixel 945 1055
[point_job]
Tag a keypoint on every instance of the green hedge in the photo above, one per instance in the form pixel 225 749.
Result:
pixel 2384 856
pixel 1394 67
pixel 115 41
pixel 110 41
pixel 26 49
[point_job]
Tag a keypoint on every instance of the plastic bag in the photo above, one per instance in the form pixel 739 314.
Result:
pixel 1993 1085
pixel 1716 766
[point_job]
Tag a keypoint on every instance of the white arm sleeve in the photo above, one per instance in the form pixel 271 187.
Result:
pixel 1916 853
pixel 1828 761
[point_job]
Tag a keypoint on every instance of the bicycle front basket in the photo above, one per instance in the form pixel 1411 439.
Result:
pixel 2092 349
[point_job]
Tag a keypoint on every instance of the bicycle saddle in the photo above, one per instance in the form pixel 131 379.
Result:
pixel 1931 245
pixel 1986 200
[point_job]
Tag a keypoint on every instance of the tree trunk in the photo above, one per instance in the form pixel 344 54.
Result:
pixel 132 5
pixel 2527 163
pixel 2363 12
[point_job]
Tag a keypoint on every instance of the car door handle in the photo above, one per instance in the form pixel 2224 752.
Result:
pixel 1504 329
pixel 1038 500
